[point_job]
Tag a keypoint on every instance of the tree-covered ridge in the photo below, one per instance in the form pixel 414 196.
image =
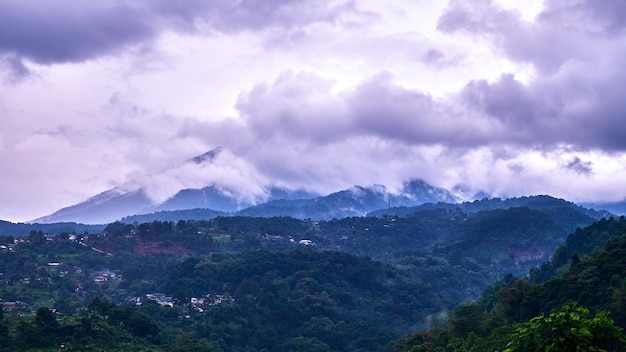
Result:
pixel 285 284
pixel 577 246
pixel 542 203
pixel 598 282
pixel 239 301
pixel 334 299
pixel 455 253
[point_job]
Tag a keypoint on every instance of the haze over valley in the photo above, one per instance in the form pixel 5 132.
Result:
pixel 307 175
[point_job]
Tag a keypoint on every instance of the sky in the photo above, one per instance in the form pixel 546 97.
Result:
pixel 505 97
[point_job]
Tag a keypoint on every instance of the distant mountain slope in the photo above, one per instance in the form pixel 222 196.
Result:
pixel 541 202
pixel 618 208
pixel 210 197
pixel 356 201
pixel 132 198
pixel 103 208
pixel 120 202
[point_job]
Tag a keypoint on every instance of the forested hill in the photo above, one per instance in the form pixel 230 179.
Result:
pixel 279 284
pixel 23 230
pixel 543 203
pixel 458 254
pixel 333 300
pixel 249 301
pixel 597 282
pixel 578 245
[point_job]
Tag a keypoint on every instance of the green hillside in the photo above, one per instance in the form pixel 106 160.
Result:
pixel 512 306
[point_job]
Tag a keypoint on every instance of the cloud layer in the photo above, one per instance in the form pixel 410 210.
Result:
pixel 470 95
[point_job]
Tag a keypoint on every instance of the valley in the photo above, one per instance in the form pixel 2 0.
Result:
pixel 278 282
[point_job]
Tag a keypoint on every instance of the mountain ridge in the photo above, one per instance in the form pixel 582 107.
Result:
pixel 117 203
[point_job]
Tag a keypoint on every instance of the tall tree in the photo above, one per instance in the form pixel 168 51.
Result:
pixel 571 328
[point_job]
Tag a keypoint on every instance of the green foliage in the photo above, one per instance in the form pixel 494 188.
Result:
pixel 571 328
pixel 597 282
pixel 364 283
pixel 103 327
pixel 328 300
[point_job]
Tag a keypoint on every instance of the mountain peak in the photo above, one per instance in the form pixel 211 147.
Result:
pixel 206 157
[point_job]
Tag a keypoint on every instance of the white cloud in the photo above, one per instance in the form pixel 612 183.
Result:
pixel 509 98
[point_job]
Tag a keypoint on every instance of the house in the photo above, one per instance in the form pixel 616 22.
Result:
pixel 306 243
pixel 161 299
pixel 13 305
pixel 100 278
pixel 196 300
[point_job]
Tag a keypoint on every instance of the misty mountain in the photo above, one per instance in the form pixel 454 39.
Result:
pixel 618 208
pixel 356 201
pixel 133 199
pixel 210 197
pixel 214 198
pixel 103 208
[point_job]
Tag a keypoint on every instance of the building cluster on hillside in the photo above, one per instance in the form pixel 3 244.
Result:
pixel 197 304
pixel 268 237
pixel 161 298
pixel 200 304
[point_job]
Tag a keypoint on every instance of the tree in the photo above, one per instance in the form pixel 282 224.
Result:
pixel 571 328
pixel 45 320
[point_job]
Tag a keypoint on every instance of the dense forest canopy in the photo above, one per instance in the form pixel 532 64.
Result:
pixel 284 284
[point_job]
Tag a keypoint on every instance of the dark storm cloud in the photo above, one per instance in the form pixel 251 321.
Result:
pixel 573 111
pixel 73 31
pixel 570 110
pixel 67 31
pixel 304 107
pixel 575 48
pixel 510 103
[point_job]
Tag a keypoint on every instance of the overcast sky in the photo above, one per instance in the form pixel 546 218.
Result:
pixel 479 95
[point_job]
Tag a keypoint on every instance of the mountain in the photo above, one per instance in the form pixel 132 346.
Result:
pixel 214 198
pixel 132 199
pixel 541 202
pixel 103 208
pixel 618 208
pixel 356 201
pixel 210 197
